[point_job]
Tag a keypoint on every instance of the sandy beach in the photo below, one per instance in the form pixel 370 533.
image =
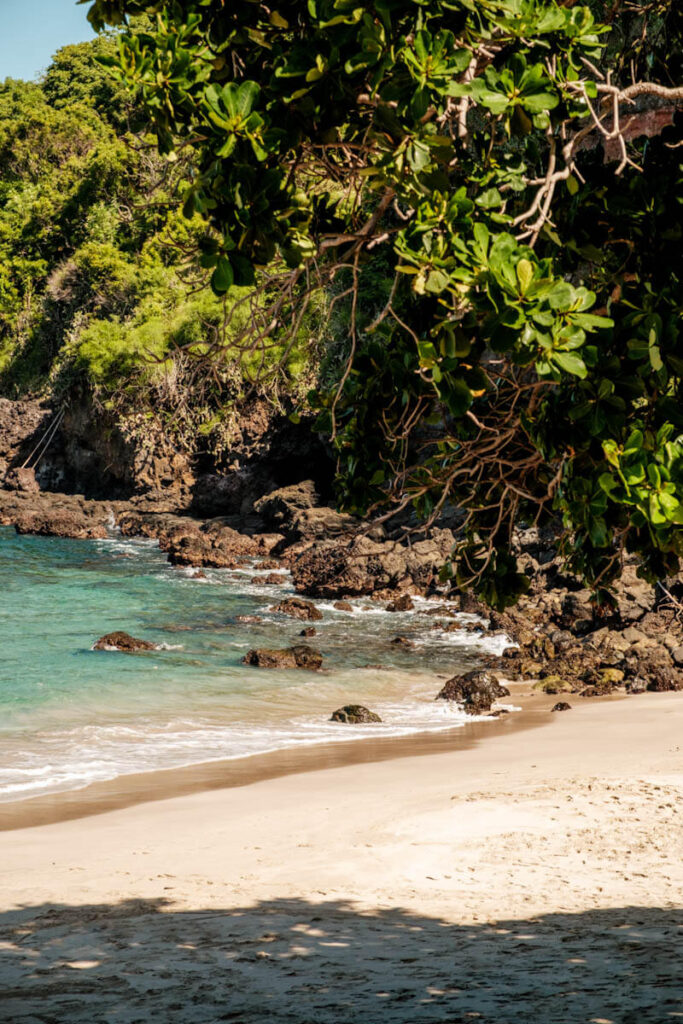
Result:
pixel 536 875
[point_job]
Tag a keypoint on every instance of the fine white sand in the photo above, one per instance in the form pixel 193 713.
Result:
pixel 535 877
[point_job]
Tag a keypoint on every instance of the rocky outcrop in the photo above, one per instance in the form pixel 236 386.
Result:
pixel 120 641
pixel 475 690
pixel 297 608
pixel 55 515
pixel 299 656
pixel 354 714
pixel 296 512
pixel 213 544
pixel 569 644
pixel 363 566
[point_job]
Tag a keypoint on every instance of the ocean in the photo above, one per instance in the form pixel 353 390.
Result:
pixel 70 715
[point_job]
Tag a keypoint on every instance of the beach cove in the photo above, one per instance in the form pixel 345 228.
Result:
pixel 533 876
pixel 448 867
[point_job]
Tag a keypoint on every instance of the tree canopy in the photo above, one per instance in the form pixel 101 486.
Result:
pixel 490 193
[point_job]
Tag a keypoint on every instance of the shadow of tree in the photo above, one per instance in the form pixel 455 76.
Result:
pixel 304 963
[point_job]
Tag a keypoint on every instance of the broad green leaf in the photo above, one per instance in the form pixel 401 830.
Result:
pixel 570 362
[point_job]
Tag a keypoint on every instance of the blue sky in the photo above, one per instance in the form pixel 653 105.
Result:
pixel 31 31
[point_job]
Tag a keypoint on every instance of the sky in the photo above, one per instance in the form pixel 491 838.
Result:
pixel 31 31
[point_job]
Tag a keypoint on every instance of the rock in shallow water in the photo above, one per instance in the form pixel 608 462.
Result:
pixel 354 714
pixel 476 691
pixel 299 656
pixel 299 609
pixel 121 641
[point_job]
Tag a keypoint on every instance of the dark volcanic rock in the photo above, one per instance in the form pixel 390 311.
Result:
pixel 402 641
pixel 354 714
pixel 296 512
pixel 307 657
pixel 299 656
pixel 562 706
pixel 308 631
pixel 364 566
pixel 280 508
pixel 597 690
pixel 213 544
pixel 55 515
pixel 404 603
pixel 299 609
pixel 121 641
pixel 21 479
pixel 476 690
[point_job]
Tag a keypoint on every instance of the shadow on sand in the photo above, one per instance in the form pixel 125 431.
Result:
pixel 305 963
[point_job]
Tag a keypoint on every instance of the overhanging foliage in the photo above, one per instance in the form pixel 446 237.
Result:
pixel 492 191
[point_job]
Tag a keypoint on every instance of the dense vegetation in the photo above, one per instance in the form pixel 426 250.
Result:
pixel 99 294
pixel 476 206
pixel 492 192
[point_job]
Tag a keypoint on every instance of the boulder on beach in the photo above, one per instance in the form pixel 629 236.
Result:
pixel 553 684
pixel 121 641
pixel 298 609
pixel 298 656
pixel 561 706
pixel 354 714
pixel 476 691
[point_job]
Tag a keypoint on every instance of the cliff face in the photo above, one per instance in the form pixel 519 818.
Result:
pixel 83 450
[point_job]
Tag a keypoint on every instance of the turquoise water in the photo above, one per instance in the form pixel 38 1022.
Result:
pixel 70 715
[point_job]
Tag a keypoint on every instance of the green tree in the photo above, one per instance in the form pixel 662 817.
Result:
pixel 492 190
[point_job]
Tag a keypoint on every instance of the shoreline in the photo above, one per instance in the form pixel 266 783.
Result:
pixel 538 877
pixel 167 783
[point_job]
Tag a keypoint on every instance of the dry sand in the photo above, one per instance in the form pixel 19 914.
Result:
pixel 533 877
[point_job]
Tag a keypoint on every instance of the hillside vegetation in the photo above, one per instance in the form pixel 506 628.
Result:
pixel 101 298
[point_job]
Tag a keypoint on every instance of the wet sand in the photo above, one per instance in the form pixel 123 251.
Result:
pixel 534 876
pixel 128 790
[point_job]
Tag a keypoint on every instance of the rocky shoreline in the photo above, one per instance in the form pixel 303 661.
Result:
pixel 562 644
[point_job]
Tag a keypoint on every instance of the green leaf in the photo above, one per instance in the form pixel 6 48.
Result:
pixel 458 397
pixel 571 363
pixel 539 102
pixel 525 274
pixel 487 200
pixel 561 296
pixel 436 281
pixel 222 277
